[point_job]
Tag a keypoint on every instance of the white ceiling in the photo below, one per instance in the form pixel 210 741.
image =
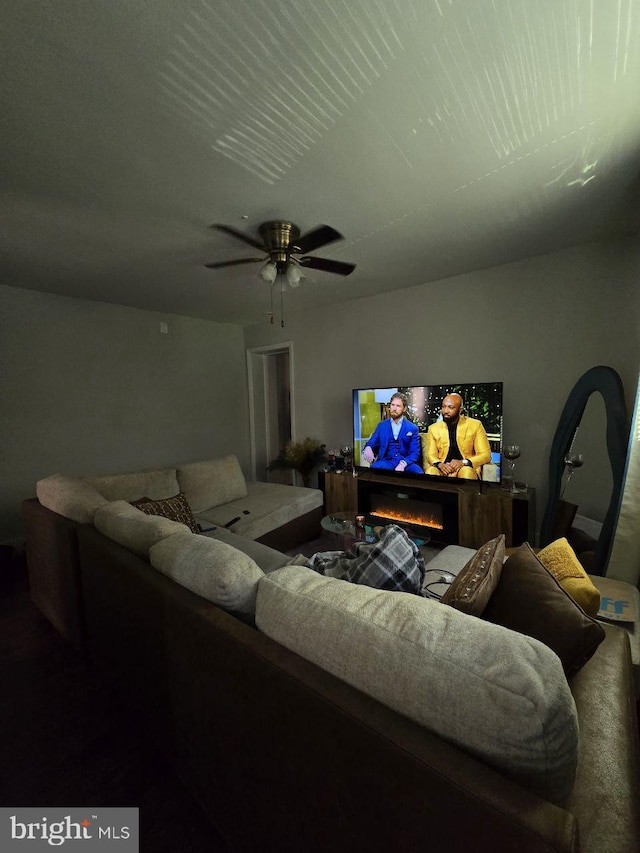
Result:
pixel 438 136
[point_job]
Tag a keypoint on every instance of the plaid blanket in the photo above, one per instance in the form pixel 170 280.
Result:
pixel 393 562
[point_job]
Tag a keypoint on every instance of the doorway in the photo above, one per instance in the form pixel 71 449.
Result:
pixel 270 374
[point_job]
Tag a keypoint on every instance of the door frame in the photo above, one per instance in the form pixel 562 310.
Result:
pixel 258 382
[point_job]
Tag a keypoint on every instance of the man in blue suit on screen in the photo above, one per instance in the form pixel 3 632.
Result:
pixel 395 443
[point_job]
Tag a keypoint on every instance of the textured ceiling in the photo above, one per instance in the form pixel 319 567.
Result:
pixel 438 136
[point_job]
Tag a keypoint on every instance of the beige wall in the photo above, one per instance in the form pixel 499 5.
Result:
pixel 537 325
pixel 89 388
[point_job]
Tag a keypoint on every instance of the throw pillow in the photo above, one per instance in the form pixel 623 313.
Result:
pixel 528 599
pixel 560 559
pixel 475 584
pixel 499 695
pixel 176 508
pixel 211 569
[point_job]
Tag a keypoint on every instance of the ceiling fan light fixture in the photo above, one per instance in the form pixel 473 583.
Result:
pixel 293 275
pixel 268 272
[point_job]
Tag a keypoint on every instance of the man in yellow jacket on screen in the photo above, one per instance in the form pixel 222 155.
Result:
pixel 457 446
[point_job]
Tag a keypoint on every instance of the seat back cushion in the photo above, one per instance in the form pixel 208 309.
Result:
pixel 212 483
pixel 501 696
pixel 268 559
pixel 210 568
pixel 131 487
pixel 69 496
pixel 133 529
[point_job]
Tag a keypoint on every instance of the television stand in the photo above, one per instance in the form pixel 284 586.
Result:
pixel 484 510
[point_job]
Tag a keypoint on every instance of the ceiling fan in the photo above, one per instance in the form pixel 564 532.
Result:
pixel 282 243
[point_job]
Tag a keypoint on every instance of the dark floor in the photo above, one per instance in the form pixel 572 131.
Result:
pixel 325 542
pixel 65 739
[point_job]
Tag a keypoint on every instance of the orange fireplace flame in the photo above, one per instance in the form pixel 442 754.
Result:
pixel 409 518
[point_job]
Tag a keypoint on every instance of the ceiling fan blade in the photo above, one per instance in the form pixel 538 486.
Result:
pixel 235 263
pixel 327 265
pixel 240 235
pixel 320 236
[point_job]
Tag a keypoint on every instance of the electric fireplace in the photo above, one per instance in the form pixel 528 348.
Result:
pixel 422 510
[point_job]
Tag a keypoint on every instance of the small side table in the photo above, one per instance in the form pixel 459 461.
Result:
pixel 620 605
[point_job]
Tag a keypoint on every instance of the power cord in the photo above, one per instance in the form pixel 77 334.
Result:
pixel 443 578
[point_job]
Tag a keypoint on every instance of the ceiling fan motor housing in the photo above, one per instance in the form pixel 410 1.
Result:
pixel 279 240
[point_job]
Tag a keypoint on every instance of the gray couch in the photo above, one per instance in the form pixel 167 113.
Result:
pixel 343 717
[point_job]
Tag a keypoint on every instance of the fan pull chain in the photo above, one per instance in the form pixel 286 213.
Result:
pixel 282 307
pixel 271 292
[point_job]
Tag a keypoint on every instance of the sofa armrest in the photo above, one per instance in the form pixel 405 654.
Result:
pixel 606 794
pixel 53 569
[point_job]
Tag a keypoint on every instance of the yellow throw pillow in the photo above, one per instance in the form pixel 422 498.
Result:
pixel 560 560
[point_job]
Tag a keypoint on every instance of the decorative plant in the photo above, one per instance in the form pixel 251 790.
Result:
pixel 301 456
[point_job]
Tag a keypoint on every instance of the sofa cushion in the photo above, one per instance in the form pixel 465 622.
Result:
pixel 452 559
pixel 134 529
pixel 530 600
pixel 176 508
pixel 210 568
pixel 560 559
pixel 474 585
pixel 268 559
pixel 208 484
pixel 130 487
pixel 265 507
pixel 500 695
pixel 69 496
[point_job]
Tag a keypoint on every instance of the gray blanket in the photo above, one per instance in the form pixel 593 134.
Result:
pixel 393 562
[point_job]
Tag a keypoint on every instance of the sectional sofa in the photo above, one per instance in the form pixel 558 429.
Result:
pixel 218 498
pixel 307 713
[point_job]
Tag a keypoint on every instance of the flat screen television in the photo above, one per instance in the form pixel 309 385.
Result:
pixel 482 401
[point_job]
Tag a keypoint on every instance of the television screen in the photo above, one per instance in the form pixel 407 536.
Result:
pixel 445 431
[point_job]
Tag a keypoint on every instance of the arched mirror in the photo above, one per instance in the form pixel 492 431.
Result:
pixel 583 419
pixel 589 486
pixel 624 562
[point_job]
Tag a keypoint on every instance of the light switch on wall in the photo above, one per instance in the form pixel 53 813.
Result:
pixel 164 328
